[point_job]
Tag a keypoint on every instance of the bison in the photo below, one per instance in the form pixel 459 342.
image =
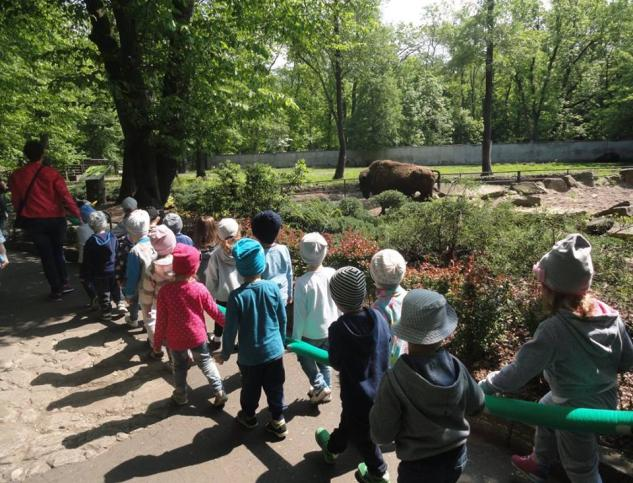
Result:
pixel 383 175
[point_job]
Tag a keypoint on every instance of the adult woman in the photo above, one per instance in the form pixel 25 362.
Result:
pixel 40 197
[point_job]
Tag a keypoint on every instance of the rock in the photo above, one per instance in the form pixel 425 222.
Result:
pixel 492 192
pixel 556 184
pixel 65 457
pixel 527 201
pixel 38 468
pixel 585 178
pixel 18 474
pixel 122 436
pixel 620 232
pixel 528 188
pixel 571 181
pixel 599 226
pixel 626 176
pixel 623 208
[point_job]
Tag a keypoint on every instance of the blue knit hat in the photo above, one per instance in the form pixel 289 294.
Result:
pixel 249 257
pixel 266 226
pixel 86 210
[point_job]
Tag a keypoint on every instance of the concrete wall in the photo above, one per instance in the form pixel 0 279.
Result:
pixel 569 151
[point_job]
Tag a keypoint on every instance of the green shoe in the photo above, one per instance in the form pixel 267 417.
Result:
pixel 363 475
pixel 323 438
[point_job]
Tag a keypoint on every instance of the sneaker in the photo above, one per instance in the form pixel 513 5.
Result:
pixel 121 306
pixel 528 468
pixel 363 475
pixel 322 396
pixel 106 317
pixel 214 345
pixel 310 392
pixel 66 289
pixel 220 399
pixel 55 296
pixel 179 398
pixel 278 428
pixel 132 323
pixel 248 423
pixel 156 356
pixel 322 437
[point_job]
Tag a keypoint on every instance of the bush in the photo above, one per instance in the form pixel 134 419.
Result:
pixel 262 190
pixel 298 176
pixel 352 207
pixel 389 199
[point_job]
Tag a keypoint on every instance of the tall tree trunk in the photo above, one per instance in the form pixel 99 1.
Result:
pixel 340 118
pixel 486 147
pixel 201 164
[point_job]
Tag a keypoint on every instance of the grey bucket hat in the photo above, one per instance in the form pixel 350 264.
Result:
pixel 427 318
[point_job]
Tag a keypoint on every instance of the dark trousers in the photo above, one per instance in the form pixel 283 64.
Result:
pixel 446 467
pixel 270 377
pixel 107 290
pixel 357 432
pixel 48 235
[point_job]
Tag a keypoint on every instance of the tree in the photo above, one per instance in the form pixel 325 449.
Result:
pixel 486 146
pixel 325 36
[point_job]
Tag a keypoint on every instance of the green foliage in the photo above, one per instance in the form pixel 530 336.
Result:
pixel 262 190
pixel 298 176
pixel 352 207
pixel 389 199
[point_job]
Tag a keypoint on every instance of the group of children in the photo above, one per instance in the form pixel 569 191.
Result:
pixel 398 381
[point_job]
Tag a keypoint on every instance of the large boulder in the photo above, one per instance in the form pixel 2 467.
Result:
pixel 599 226
pixel 623 208
pixel 586 178
pixel 556 184
pixel 528 188
pixel 571 182
pixel 410 179
pixel 527 201
pixel 626 176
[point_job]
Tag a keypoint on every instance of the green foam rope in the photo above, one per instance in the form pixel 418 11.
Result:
pixel 302 348
pixel 601 421
pixel 222 308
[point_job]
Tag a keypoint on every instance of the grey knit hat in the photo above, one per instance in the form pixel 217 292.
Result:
pixel 427 318
pixel 313 248
pixel 129 204
pixel 567 268
pixel 173 222
pixel 387 268
pixel 348 288
pixel 98 221
pixel 228 228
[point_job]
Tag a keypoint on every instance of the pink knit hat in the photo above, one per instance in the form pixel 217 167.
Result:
pixel 163 240
pixel 186 260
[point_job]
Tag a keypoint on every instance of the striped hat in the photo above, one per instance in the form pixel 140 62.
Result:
pixel 427 318
pixel 348 288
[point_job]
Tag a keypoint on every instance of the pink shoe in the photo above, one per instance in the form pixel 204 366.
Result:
pixel 529 468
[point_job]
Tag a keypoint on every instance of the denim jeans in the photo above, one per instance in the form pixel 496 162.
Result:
pixel 445 467
pixel 203 359
pixel 133 307
pixel 357 433
pixel 269 376
pixel 107 290
pixel 319 374
pixel 48 235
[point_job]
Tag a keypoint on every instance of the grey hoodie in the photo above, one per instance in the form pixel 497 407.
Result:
pixel 423 419
pixel 579 357
pixel 222 276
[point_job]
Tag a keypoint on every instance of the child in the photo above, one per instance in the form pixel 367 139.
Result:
pixel 266 226
pixel 359 350
pixel 139 261
pixel 256 313
pixel 423 400
pixel 163 242
pixel 314 311
pixel 222 276
pixel 205 238
pixel 387 269
pixel 4 259
pixel 580 349
pixel 84 232
pixel 129 204
pixel 125 244
pixel 181 307
pixel 97 269
pixel 174 223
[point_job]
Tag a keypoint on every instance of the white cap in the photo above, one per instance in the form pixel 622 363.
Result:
pixel 387 268
pixel 138 223
pixel 313 249
pixel 228 228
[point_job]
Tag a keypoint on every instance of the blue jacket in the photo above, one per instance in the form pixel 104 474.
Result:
pixel 256 313
pixel 99 256
pixel 359 350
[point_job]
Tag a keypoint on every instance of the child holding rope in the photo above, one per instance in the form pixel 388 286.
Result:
pixel 580 349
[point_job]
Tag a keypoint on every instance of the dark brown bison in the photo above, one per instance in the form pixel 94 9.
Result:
pixel 383 175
